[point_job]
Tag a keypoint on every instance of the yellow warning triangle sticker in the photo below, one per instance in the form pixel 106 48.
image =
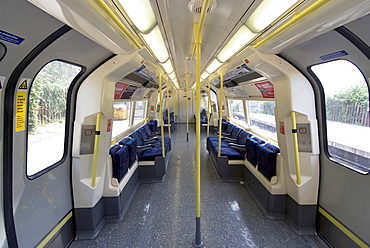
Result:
pixel 23 86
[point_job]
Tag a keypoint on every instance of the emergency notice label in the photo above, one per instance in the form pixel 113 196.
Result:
pixel 21 102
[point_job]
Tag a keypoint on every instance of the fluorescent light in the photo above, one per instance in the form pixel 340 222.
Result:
pixel 204 75
pixel 168 66
pixel 172 75
pixel 141 14
pixel 213 66
pixel 240 39
pixel 267 12
pixel 156 43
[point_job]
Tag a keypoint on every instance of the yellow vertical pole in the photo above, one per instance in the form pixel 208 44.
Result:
pixel 220 113
pixel 174 102
pixel 96 150
pixel 198 40
pixel 161 122
pixel 209 107
pixel 295 144
pixel 169 110
pixel 187 105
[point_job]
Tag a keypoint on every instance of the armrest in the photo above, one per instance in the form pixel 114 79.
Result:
pixel 225 134
pixel 230 140
pixel 144 147
pixel 148 141
pixel 237 146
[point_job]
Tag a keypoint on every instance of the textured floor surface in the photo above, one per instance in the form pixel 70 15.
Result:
pixel 163 214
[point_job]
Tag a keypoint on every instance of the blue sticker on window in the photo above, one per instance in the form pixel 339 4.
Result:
pixel 12 38
pixel 333 55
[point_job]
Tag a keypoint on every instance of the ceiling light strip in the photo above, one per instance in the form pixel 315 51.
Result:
pixel 295 19
pixel 115 19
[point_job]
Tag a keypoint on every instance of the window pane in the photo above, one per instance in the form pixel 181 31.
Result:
pixel 46 115
pixel 121 117
pixel 347 111
pixel 236 109
pixel 262 117
pixel 139 111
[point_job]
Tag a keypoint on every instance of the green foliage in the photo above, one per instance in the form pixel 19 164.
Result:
pixel 48 94
pixel 268 108
pixel 349 106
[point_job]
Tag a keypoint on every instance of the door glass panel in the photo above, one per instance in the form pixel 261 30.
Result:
pixel 47 115
pixel 347 113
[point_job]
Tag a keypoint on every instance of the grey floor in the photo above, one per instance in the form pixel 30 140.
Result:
pixel 163 214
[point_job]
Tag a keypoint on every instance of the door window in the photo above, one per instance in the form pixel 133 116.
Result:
pixel 47 110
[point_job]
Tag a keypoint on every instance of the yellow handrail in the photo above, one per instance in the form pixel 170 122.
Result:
pixel 187 105
pixel 199 29
pixel 295 144
pixel 220 113
pixel 209 107
pixel 295 19
pixel 96 150
pixel 197 139
pixel 168 110
pixel 116 20
pixel 161 122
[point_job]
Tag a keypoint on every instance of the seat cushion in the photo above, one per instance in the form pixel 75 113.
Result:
pixel 149 154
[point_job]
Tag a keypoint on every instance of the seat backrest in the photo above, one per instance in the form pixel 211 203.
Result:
pixel 120 159
pixel 147 128
pixel 251 146
pixel 235 132
pixel 143 133
pixel 137 136
pixel 153 124
pixel 266 159
pixel 123 141
pixel 242 137
pixel 132 149
pixel 230 127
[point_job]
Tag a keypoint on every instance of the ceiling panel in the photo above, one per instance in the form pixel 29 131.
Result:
pixel 177 22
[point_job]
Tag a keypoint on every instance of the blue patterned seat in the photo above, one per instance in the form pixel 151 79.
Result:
pixel 203 116
pixel 266 159
pixel 132 148
pixel 251 146
pixel 157 142
pixel 165 117
pixel 120 159
pixel 230 153
pixel 153 124
pixel 150 154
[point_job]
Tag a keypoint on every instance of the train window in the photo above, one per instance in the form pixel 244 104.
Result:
pixel 346 96
pixel 139 114
pixel 121 117
pixel 47 115
pixel 262 117
pixel 236 109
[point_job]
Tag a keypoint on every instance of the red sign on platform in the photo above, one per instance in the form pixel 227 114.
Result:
pixel 266 89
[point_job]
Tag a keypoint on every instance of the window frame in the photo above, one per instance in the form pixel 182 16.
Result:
pixel 260 132
pixel 144 112
pixel 68 116
pixel 323 113
pixel 241 122
pixel 129 115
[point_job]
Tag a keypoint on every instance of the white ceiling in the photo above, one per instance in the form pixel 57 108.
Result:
pixel 176 22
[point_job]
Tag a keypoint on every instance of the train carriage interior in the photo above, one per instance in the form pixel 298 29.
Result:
pixel 198 123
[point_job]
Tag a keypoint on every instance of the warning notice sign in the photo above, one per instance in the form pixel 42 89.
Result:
pixel 21 102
